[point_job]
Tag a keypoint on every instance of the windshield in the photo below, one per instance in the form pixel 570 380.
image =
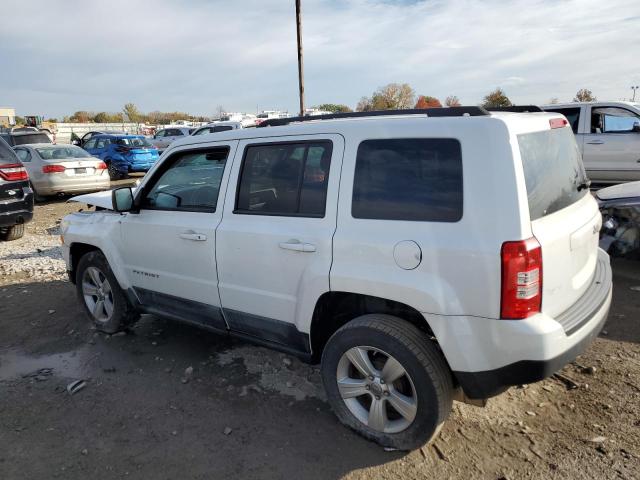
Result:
pixel 553 170
pixel 23 139
pixel 134 142
pixel 59 152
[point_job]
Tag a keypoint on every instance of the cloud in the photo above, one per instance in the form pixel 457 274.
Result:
pixel 61 56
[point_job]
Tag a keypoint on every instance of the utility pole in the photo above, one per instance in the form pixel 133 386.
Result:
pixel 634 92
pixel 300 63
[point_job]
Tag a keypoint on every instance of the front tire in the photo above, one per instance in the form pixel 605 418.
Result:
pixel 99 292
pixel 388 381
pixel 12 233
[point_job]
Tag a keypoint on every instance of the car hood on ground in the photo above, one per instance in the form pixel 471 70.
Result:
pixel 624 190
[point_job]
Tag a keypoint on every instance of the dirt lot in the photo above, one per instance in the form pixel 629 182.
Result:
pixel 248 412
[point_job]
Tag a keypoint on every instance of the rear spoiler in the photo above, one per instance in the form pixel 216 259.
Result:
pixel 516 108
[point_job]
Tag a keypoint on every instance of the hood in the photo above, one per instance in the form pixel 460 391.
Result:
pixel 98 199
pixel 624 190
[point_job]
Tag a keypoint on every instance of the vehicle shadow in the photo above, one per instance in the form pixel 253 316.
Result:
pixel 168 420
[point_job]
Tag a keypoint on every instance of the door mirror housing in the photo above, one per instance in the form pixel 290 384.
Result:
pixel 122 199
pixel 636 128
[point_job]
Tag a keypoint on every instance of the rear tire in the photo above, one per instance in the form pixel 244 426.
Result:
pixel 12 233
pixel 104 302
pixel 114 173
pixel 407 371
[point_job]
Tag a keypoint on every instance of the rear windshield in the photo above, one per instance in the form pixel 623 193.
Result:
pixel 67 152
pixel 23 139
pixel 7 155
pixel 134 142
pixel 553 170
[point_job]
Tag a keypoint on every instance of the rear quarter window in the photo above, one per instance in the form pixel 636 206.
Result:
pixel 553 170
pixel 415 179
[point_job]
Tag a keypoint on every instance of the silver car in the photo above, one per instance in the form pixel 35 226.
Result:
pixel 55 169
pixel 163 138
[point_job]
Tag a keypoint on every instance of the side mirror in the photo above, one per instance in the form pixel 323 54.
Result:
pixel 122 199
pixel 75 142
pixel 636 128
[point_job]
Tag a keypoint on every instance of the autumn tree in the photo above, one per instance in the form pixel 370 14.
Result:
pixel 425 101
pixel 81 116
pixel 584 95
pixel 497 98
pixel 333 108
pixel 394 96
pixel 452 101
pixel 131 112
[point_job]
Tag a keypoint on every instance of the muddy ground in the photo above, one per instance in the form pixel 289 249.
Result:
pixel 248 412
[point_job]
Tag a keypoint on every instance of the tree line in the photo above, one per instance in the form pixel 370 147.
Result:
pixel 394 96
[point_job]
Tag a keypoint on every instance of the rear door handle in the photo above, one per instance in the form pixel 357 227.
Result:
pixel 297 246
pixel 196 237
pixel 595 142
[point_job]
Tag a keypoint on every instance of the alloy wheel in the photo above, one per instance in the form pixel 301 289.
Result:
pixel 97 293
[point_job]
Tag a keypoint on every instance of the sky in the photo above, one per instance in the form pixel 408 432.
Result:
pixel 57 57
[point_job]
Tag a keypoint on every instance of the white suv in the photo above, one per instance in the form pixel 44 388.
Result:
pixel 421 258
pixel 608 134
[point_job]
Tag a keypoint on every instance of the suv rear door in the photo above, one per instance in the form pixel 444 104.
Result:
pixel 612 143
pixel 274 244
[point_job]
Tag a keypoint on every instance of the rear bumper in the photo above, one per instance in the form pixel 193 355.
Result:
pixel 73 185
pixel 18 210
pixel 488 355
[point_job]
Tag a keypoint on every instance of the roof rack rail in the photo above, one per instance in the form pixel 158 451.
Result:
pixel 516 108
pixel 429 112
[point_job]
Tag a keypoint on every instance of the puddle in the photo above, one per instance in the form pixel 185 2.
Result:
pixel 68 364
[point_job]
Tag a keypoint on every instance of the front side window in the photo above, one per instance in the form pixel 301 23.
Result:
pixel 160 134
pixel 614 120
pixel 414 179
pixel 191 182
pixel 203 131
pixel 285 179
pixel 90 144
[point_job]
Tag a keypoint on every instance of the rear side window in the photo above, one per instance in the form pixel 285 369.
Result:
pixel 415 179
pixel 572 114
pixel 285 179
pixel 553 170
pixel 222 128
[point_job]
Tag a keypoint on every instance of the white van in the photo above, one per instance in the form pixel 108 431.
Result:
pixel 608 135
pixel 419 257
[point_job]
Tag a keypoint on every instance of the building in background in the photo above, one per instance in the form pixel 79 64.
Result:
pixel 7 117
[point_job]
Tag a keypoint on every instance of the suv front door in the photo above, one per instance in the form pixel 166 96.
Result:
pixel 168 248
pixel 273 245
pixel 612 145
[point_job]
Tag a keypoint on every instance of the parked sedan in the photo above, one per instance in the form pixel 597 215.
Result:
pixel 55 169
pixel 163 138
pixel 123 153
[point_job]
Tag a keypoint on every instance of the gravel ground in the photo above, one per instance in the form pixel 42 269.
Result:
pixel 170 401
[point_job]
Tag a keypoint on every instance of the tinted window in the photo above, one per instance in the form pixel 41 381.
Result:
pixel 222 128
pixel 613 120
pixel 285 179
pixel 552 169
pixel 31 138
pixel 7 155
pixel 572 114
pixel 191 183
pixel 408 179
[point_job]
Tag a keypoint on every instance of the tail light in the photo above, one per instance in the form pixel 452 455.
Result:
pixel 13 172
pixel 521 279
pixel 101 166
pixel 53 169
pixel 558 123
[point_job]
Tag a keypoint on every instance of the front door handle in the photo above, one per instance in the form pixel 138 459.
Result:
pixel 298 246
pixel 595 142
pixel 196 237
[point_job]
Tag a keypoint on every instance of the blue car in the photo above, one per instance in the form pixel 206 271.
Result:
pixel 123 153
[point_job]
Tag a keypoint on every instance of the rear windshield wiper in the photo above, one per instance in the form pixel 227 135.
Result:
pixel 583 185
